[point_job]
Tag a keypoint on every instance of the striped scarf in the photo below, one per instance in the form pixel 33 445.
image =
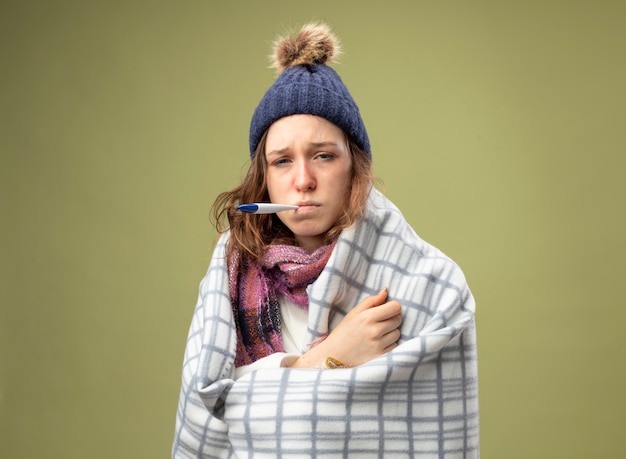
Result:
pixel 254 294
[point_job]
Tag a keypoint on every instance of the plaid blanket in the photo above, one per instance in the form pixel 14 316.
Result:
pixel 419 400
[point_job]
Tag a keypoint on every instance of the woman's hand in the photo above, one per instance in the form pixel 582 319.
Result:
pixel 370 329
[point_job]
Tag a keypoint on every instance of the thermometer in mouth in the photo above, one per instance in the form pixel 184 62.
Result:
pixel 264 208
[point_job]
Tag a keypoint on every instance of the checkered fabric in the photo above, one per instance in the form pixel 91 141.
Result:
pixel 419 400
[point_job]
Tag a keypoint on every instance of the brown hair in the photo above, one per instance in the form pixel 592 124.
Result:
pixel 251 233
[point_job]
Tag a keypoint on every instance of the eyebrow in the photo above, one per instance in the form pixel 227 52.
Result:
pixel 281 151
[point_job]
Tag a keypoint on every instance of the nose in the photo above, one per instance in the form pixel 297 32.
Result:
pixel 305 178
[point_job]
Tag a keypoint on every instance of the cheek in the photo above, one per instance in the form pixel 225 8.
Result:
pixel 343 182
pixel 272 186
pixel 276 193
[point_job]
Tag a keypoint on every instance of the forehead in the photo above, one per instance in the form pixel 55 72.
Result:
pixel 295 130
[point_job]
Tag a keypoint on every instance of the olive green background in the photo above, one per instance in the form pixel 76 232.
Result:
pixel 497 127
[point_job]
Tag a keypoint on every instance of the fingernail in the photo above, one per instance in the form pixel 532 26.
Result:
pixel 382 291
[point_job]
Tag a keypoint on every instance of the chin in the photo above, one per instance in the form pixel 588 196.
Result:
pixel 309 234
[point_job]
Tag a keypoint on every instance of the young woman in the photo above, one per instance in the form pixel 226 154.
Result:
pixel 330 329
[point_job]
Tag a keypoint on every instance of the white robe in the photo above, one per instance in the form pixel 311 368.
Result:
pixel 293 323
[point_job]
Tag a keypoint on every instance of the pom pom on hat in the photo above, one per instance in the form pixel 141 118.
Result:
pixel 306 85
pixel 314 44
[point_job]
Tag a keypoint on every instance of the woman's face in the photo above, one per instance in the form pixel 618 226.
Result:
pixel 308 164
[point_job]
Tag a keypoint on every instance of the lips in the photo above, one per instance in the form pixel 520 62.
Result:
pixel 306 207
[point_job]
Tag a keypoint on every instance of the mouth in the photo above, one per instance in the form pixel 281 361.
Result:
pixel 305 207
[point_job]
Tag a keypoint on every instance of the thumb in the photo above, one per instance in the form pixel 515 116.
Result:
pixel 372 300
pixel 382 295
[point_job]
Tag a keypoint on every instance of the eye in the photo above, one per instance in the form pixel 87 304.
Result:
pixel 280 162
pixel 325 156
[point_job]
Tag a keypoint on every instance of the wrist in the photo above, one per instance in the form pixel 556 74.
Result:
pixel 332 363
pixel 326 363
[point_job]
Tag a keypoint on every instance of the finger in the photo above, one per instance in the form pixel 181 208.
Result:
pixel 389 325
pixel 390 347
pixel 372 300
pixel 390 339
pixel 386 311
